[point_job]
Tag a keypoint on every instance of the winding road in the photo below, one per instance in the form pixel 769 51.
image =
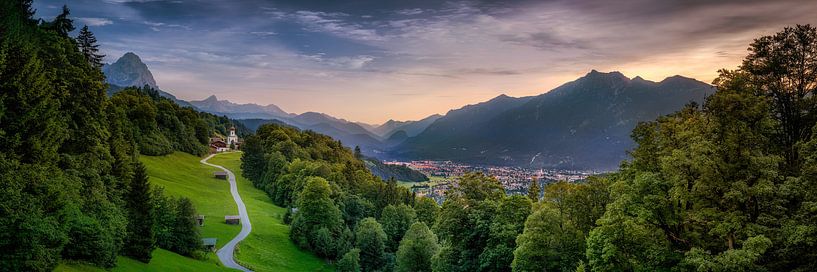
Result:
pixel 225 253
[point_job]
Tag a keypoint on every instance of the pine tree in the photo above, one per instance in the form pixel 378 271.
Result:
pixel 533 191
pixel 61 24
pixel 357 152
pixel 140 240
pixel 87 45
pixel 185 230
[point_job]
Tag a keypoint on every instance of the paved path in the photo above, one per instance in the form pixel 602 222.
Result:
pixel 225 253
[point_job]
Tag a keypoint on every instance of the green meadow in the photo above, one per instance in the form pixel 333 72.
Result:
pixel 268 247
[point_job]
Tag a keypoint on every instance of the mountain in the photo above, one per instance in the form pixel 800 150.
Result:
pixel 411 128
pixel 240 111
pixel 349 133
pixel 584 124
pixel 129 70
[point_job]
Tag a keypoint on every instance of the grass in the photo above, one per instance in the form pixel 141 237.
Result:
pixel 268 247
pixel 181 174
pixel 433 180
pixel 163 260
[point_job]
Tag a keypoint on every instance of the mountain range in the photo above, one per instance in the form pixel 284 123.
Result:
pixel 583 124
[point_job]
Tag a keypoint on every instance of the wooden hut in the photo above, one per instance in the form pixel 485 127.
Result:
pixel 232 219
pixel 220 175
pixel 209 244
pixel 200 220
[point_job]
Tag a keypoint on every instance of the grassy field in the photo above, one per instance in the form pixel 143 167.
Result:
pixel 162 261
pixel 181 174
pixel 433 180
pixel 268 247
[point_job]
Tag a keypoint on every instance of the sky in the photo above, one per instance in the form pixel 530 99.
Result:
pixel 371 61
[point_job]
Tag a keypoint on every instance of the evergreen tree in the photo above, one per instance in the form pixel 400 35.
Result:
pixel 358 155
pixel 416 249
pixel 140 240
pixel 371 240
pixel 186 229
pixel 87 45
pixel 533 190
pixel 62 24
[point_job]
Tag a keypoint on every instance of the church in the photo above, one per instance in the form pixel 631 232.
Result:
pixel 218 144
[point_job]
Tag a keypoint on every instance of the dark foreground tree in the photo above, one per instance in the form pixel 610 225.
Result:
pixel 140 240
pixel 186 229
pixel 86 41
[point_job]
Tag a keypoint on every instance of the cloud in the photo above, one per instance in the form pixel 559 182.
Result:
pixel 410 12
pixel 263 33
pixel 90 21
pixel 350 62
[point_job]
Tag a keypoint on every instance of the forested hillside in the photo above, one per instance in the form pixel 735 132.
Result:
pixel 727 185
pixel 71 185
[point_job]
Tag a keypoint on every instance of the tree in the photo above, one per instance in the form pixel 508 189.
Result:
pixel 371 240
pixel 358 155
pixel 548 243
pixel 316 213
pixel 87 45
pixel 416 249
pixel 427 210
pixel 395 221
pixel 533 190
pixel 350 261
pixel 508 223
pixel 783 66
pixel 186 229
pixel 164 214
pixel 62 24
pixel 476 186
pixel 140 240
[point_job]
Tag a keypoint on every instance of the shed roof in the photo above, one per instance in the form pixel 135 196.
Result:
pixel 208 241
pixel 220 173
pixel 231 217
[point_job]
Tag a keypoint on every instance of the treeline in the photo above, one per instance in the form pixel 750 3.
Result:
pixel 730 185
pixel 160 126
pixel 72 187
pixel 327 189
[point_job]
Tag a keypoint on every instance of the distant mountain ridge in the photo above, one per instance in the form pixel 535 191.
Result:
pixel 240 111
pixel 584 124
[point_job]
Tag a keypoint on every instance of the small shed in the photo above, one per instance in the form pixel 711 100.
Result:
pixel 232 219
pixel 200 220
pixel 209 244
pixel 220 175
